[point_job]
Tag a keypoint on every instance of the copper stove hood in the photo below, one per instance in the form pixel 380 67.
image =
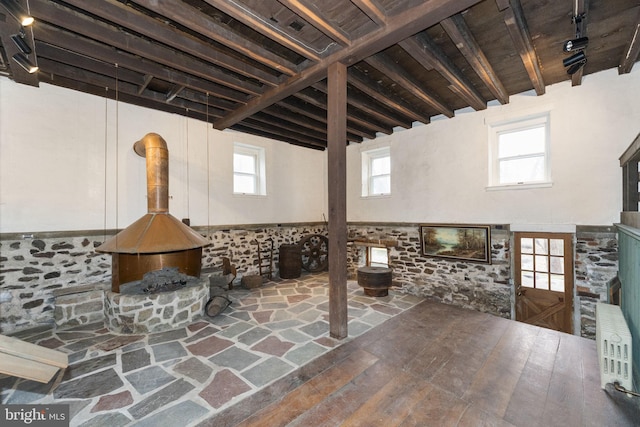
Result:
pixel 158 239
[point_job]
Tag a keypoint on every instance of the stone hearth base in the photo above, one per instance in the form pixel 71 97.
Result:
pixel 139 314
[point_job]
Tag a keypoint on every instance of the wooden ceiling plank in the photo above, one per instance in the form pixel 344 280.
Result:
pixel 279 130
pixel 174 92
pixel 323 118
pixel 368 108
pixel 580 9
pixel 299 119
pixel 377 92
pixel 196 20
pixel 145 83
pixel 311 14
pixel 353 115
pixel 373 9
pixel 74 21
pixel 257 129
pixel 518 30
pixel 632 50
pixel 396 73
pixel 128 17
pixel 259 24
pixel 423 49
pixel 457 29
pixel 397 28
pixel 286 124
pixel 54 36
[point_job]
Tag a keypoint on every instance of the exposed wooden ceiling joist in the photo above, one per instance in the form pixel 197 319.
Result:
pixel 260 66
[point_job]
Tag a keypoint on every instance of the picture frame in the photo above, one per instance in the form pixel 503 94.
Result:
pixel 463 242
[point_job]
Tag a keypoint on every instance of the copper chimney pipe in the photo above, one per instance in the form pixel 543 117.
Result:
pixel 158 239
pixel 154 148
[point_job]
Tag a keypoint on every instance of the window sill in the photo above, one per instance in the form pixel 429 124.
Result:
pixel 523 186
pixel 248 195
pixel 376 196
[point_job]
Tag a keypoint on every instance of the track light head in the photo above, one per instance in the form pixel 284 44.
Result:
pixel 22 44
pixel 24 62
pixel 16 11
pixel 574 59
pixel 575 67
pixel 575 44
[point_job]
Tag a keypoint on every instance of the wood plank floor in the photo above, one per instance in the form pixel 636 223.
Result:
pixel 438 365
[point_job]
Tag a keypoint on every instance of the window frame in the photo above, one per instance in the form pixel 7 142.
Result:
pixel 512 126
pixel 259 174
pixel 368 156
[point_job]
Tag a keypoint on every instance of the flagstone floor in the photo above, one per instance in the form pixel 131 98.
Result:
pixel 184 376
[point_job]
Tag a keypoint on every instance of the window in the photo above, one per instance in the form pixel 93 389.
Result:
pixel 376 172
pixel 377 257
pixel 248 170
pixel 519 153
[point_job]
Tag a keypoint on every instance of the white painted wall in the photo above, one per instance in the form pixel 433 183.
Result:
pixel 440 171
pixel 55 145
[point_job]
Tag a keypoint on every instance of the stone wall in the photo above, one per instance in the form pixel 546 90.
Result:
pixel 50 279
pixel 596 263
pixel 57 280
pixel 479 286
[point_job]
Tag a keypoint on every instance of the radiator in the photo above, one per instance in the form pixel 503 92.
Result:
pixel 613 341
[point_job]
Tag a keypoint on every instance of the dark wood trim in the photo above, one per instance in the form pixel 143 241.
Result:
pixel 397 28
pixel 456 27
pixel 426 52
pixel 337 191
pixel 632 50
pixel 517 25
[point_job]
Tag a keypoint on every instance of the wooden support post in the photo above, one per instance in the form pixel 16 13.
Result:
pixel 337 182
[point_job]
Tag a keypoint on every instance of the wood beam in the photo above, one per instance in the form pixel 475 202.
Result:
pixel 424 50
pixel 198 21
pixel 354 117
pixel 311 14
pixel 260 25
pixel 397 28
pixel 54 36
pixel 517 26
pixel 321 116
pixel 98 30
pixel 373 9
pixel 457 29
pixel 127 17
pixel 580 9
pixel 145 83
pixel 337 191
pixel 632 50
pixel 368 107
pixel 398 74
pixel 380 94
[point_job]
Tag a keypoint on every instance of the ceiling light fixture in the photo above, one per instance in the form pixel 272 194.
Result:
pixel 24 62
pixel 16 11
pixel 576 61
pixel 19 40
pixel 575 44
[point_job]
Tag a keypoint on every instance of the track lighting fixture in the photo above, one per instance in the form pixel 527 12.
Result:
pixel 24 62
pixel 576 44
pixel 575 67
pixel 16 11
pixel 576 58
pixel 19 40
pixel 576 61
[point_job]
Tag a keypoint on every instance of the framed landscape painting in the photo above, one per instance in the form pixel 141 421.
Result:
pixel 456 241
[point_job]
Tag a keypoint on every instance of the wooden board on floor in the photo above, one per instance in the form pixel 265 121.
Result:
pixel 31 361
